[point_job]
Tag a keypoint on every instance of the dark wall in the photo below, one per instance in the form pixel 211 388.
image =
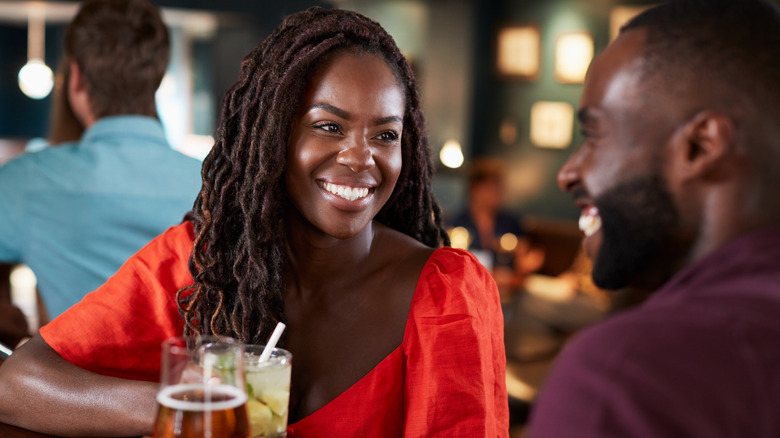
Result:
pixel 21 116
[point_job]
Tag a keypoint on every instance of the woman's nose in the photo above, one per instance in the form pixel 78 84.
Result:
pixel 357 156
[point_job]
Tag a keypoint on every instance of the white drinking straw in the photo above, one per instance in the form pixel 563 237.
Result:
pixel 269 347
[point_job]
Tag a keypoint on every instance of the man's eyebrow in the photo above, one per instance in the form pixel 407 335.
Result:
pixel 331 109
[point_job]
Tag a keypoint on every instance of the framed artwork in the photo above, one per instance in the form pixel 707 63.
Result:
pixel 552 124
pixel 573 53
pixel 517 52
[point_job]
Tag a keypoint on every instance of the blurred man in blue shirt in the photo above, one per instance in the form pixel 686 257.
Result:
pixel 75 212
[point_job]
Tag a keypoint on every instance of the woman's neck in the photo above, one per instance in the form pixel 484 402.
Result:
pixel 315 258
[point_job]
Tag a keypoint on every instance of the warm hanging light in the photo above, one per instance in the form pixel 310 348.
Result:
pixel 36 78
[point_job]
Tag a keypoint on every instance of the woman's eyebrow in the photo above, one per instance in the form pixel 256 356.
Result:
pixel 388 119
pixel 331 109
pixel 346 116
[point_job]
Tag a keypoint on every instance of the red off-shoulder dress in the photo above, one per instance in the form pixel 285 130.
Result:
pixel 445 379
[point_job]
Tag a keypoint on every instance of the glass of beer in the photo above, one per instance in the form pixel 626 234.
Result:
pixel 268 390
pixel 202 389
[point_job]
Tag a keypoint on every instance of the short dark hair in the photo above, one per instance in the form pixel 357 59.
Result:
pixel 239 253
pixel 728 48
pixel 122 50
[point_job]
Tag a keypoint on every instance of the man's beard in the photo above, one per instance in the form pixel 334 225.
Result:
pixel 638 218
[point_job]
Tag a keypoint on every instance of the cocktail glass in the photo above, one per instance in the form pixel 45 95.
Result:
pixel 268 391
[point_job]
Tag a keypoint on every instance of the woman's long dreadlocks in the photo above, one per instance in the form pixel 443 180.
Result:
pixel 238 256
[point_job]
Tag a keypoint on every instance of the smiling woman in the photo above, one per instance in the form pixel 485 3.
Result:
pixel 317 211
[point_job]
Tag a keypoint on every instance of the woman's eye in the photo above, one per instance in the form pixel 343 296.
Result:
pixel 388 136
pixel 329 127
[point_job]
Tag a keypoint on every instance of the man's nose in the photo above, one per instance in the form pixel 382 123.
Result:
pixel 569 175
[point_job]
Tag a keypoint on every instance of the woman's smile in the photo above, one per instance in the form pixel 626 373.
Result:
pixel 345 191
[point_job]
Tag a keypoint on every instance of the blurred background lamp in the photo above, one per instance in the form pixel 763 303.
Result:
pixel 451 154
pixel 573 53
pixel 36 78
pixel 23 293
pixel 508 242
pixel 459 238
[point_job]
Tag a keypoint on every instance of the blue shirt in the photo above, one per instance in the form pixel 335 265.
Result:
pixel 75 212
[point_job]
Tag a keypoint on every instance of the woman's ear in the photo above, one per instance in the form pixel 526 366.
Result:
pixel 704 146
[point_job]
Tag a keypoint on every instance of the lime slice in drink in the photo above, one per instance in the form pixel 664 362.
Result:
pixel 277 400
pixel 259 417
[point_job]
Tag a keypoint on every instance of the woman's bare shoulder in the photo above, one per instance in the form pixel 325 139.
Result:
pixel 401 247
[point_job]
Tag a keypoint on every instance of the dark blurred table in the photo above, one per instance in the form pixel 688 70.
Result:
pixel 536 327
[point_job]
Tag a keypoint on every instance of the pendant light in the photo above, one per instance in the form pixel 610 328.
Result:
pixel 36 78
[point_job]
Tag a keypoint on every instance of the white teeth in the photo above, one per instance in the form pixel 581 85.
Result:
pixel 590 221
pixel 346 192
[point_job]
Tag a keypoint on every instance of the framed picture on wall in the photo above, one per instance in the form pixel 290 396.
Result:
pixel 573 53
pixel 518 50
pixel 551 124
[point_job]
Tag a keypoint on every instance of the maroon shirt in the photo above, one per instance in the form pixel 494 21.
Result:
pixel 700 358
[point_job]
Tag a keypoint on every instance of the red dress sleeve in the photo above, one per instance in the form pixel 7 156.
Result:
pixel 118 329
pixel 455 363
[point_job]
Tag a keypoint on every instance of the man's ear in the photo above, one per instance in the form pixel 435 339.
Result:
pixel 75 81
pixel 78 96
pixel 703 146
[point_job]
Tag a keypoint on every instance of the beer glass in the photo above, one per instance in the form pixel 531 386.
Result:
pixel 202 392
pixel 268 391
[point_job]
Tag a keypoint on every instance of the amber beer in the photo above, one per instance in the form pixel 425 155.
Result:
pixel 201 411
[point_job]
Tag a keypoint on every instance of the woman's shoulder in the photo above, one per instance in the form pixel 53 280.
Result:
pixel 449 260
pixel 176 241
pixel 453 281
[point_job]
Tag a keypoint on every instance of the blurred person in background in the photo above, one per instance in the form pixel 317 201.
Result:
pixel 487 222
pixel 75 212
pixel 677 182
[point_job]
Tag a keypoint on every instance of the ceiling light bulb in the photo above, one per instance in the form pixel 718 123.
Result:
pixel 36 79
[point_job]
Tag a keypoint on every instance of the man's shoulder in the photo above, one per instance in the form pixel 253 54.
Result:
pixel 46 159
pixel 657 335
